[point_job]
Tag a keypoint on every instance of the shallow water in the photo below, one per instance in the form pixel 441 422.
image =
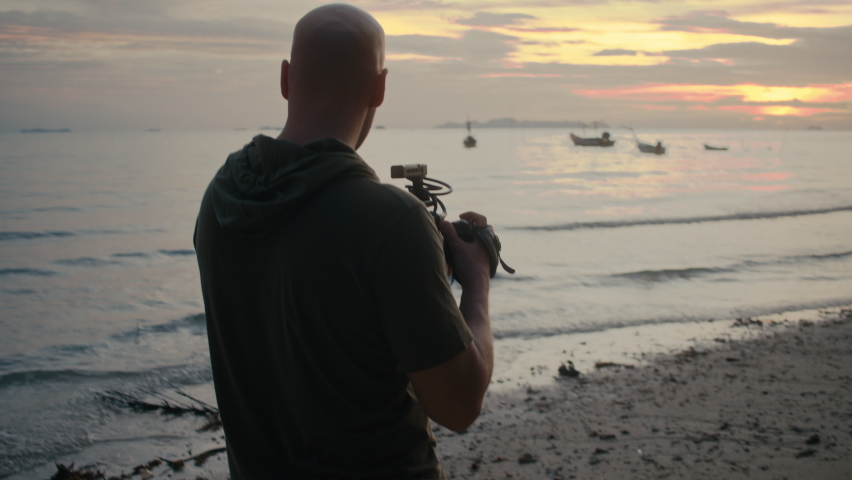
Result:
pixel 99 288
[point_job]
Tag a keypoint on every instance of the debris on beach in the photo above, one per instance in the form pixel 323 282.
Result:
pixel 144 471
pixel 747 322
pixel 201 458
pixel 600 365
pixel 213 424
pixel 175 465
pixel 527 458
pixel 84 473
pixel 690 353
pixel 806 453
pixel 601 435
pixel 138 469
pixel 568 371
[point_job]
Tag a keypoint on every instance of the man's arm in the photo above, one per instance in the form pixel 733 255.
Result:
pixel 452 392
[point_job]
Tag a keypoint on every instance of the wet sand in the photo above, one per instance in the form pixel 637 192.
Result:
pixel 761 400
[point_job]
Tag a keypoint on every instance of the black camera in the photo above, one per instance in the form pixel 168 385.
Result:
pixel 428 190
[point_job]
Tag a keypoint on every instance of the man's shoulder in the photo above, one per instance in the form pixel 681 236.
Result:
pixel 368 193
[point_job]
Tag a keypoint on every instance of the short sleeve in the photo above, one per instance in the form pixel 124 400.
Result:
pixel 417 310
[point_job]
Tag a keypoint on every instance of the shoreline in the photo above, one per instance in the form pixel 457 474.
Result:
pixel 756 400
pixel 521 362
pixel 683 400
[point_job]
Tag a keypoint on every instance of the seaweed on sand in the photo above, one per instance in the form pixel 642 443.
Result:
pixel 165 405
pixel 144 471
pixel 83 473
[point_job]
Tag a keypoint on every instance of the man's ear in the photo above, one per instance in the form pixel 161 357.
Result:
pixel 285 80
pixel 379 90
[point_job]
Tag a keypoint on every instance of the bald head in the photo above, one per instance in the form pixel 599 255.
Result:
pixel 336 48
pixel 336 65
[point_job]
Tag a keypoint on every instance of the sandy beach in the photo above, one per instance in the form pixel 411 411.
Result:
pixel 773 402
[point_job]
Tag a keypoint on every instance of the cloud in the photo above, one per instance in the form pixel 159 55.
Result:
pixel 718 22
pixel 474 46
pixel 614 52
pixel 806 61
pixel 543 30
pixel 404 5
pixel 652 107
pixel 128 25
pixel 485 19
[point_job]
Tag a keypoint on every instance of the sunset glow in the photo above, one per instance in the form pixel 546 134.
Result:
pixel 414 57
pixel 776 110
pixel 712 93
pixel 523 75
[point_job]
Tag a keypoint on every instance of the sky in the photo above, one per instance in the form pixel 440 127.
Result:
pixel 95 65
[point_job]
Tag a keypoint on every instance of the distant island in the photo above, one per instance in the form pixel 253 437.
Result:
pixel 512 123
pixel 271 128
pixel 153 130
pixel 45 130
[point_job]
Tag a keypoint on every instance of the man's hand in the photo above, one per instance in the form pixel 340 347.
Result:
pixel 470 260
pixel 452 392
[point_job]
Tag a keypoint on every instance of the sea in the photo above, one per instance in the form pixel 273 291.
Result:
pixel 99 287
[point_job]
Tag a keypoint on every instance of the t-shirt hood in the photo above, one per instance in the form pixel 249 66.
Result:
pixel 259 186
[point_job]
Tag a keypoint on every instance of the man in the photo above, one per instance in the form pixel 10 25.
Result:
pixel 333 332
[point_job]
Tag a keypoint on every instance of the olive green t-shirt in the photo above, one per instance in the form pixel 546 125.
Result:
pixel 315 314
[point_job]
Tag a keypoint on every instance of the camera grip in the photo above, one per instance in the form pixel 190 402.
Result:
pixel 467 231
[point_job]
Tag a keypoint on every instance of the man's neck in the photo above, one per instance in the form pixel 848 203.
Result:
pixel 303 132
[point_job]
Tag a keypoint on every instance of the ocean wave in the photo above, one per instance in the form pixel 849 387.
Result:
pixel 513 278
pixel 71 353
pixel 26 377
pixel 194 321
pixel 86 262
pixel 827 256
pixel 687 273
pixel 180 252
pixel 19 291
pixel 671 274
pixel 56 209
pixel 684 220
pixel 730 315
pixel 26 271
pixel 190 373
pixel 4 236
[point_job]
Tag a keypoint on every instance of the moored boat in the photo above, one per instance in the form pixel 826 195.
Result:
pixel 469 142
pixel 709 147
pixel 658 149
pixel 604 141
